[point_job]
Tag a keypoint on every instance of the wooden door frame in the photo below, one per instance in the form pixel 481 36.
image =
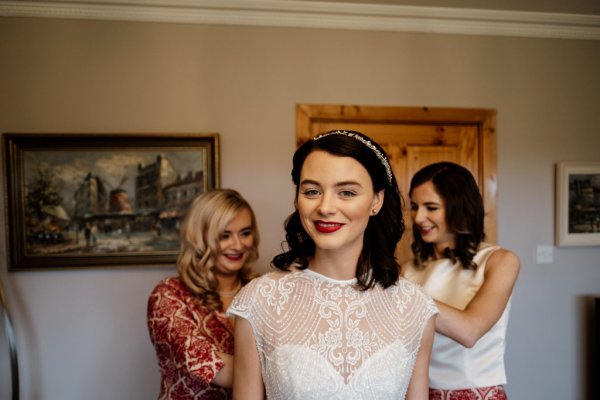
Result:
pixel 483 119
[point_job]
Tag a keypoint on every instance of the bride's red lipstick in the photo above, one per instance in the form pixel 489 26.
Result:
pixel 327 227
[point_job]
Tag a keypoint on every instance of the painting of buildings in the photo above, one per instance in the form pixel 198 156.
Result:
pixel 91 202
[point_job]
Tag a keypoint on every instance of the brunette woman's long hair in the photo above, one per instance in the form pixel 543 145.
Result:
pixel 464 212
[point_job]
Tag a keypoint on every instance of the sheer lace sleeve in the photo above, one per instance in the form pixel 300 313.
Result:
pixel 243 302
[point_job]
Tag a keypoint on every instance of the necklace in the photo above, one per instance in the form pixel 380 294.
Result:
pixel 230 293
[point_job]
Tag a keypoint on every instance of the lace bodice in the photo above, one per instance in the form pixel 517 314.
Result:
pixel 320 338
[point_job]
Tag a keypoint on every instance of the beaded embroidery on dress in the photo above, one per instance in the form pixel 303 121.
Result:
pixel 320 338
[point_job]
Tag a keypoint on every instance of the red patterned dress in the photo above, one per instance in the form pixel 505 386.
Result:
pixel 187 337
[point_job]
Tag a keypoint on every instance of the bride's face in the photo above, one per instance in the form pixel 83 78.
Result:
pixel 336 200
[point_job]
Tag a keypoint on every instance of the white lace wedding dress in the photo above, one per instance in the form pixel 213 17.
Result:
pixel 320 338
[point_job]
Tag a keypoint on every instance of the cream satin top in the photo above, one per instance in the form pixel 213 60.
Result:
pixel 454 366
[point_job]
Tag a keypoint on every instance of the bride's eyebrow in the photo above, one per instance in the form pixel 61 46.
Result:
pixel 309 182
pixel 348 183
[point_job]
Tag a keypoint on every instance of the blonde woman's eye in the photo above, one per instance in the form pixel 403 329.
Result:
pixel 246 233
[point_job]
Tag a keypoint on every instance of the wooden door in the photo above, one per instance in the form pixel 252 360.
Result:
pixel 415 137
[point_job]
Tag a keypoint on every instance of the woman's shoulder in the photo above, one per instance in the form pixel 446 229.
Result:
pixel 267 279
pixel 496 250
pixel 170 283
pixel 409 292
pixel 170 292
pixel 490 251
pixel 500 256
pixel 270 276
pixel 263 286
pixel 405 285
pixel 172 288
pixel 412 289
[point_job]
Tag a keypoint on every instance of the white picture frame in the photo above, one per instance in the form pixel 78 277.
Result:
pixel 577 203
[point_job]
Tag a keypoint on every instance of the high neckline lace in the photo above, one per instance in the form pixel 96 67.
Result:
pixel 328 279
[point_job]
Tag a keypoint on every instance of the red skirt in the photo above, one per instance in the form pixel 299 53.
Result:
pixel 484 393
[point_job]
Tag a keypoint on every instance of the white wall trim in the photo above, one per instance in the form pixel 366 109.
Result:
pixel 326 15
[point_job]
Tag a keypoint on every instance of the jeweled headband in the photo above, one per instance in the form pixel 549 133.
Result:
pixel 367 143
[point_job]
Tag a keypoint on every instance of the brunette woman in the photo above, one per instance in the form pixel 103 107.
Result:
pixel 470 280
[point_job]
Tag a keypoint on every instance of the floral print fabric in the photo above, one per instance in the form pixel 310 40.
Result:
pixel 187 337
pixel 486 393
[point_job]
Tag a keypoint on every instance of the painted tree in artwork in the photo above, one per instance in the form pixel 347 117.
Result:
pixel 42 194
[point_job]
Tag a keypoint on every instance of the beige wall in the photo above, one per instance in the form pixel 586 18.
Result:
pixel 82 334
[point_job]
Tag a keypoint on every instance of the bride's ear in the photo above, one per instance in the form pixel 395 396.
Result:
pixel 377 201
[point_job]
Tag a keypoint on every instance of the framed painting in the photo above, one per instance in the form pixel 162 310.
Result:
pixel 101 200
pixel 578 203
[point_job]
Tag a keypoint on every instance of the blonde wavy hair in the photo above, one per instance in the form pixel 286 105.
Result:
pixel 201 232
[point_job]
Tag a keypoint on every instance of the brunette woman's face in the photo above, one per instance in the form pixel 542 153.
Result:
pixel 236 244
pixel 428 212
pixel 335 201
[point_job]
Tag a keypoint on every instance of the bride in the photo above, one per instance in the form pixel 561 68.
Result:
pixel 336 321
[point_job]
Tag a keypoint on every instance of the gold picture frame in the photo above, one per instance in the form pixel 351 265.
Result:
pixel 101 200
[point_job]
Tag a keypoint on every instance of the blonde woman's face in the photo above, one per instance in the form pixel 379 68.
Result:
pixel 236 244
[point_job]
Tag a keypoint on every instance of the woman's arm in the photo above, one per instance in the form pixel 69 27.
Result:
pixel 418 388
pixel 247 375
pixel 224 377
pixel 176 333
pixel 483 311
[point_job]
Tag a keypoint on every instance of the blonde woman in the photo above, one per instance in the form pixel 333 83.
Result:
pixel 192 335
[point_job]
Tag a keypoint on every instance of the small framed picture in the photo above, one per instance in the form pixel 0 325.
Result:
pixel 101 200
pixel 578 203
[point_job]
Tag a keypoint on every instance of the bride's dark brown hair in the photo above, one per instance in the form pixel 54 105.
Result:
pixel 376 263
pixel 464 212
